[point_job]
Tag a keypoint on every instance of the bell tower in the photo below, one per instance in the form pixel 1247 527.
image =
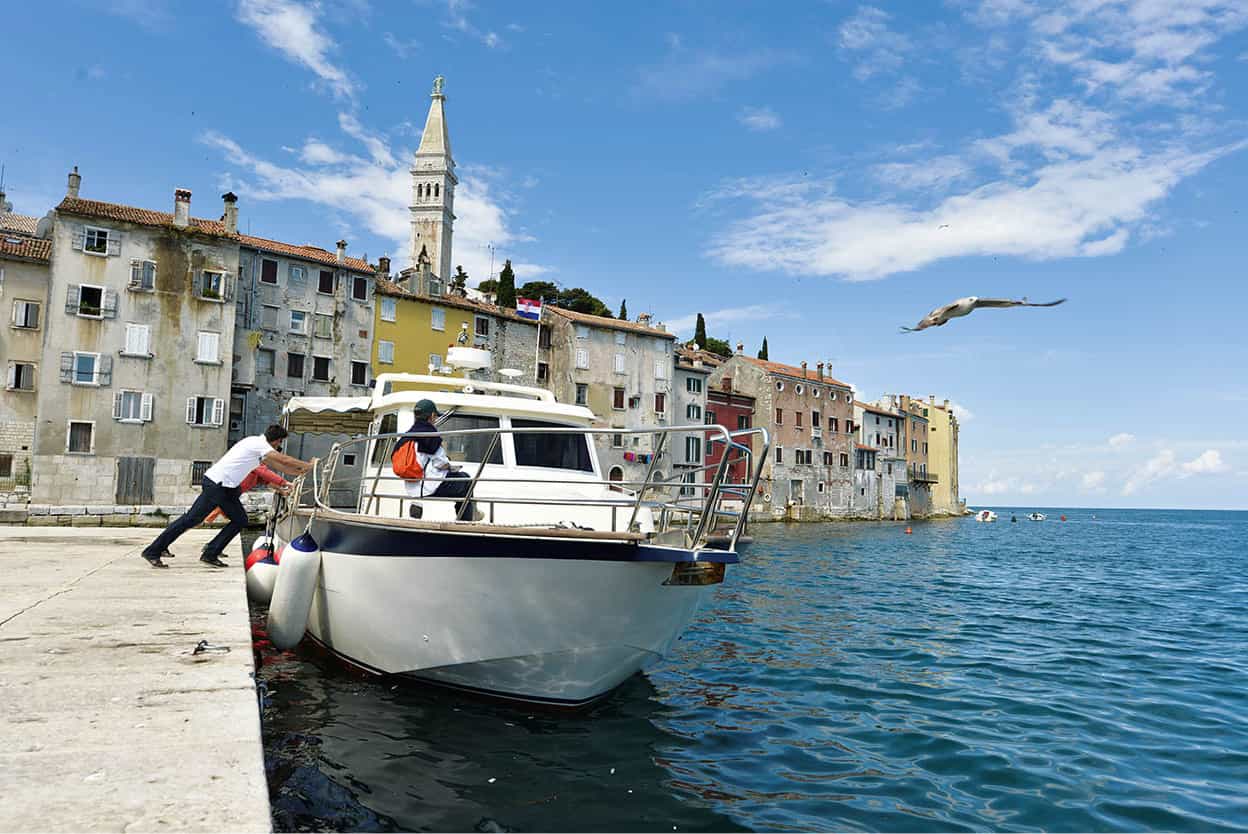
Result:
pixel 433 189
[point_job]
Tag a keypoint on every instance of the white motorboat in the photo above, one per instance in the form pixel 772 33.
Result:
pixel 566 586
pixel 985 516
pixel 1037 516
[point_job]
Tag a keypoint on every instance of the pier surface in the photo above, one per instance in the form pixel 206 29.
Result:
pixel 108 720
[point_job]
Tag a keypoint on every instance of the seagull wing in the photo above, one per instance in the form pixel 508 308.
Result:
pixel 1027 303
pixel 997 302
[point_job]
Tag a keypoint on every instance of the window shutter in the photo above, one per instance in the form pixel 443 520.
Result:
pixel 104 371
pixel 218 411
pixel 145 408
pixel 136 273
pixel 72 294
pixel 117 406
pixel 67 367
pixel 11 379
pixel 114 243
pixel 109 309
pixel 76 239
pixel 190 410
pixel 228 288
pixel 13 315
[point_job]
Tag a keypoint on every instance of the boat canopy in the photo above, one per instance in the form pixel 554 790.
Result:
pixel 328 415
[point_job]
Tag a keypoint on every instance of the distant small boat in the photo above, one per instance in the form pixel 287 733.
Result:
pixel 1037 516
pixel 985 515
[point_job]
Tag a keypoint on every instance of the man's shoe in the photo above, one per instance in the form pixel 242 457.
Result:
pixel 154 561
pixel 213 560
pixel 167 555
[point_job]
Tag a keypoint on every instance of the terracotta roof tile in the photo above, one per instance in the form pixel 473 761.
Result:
pixel 23 224
pixel 307 252
pixel 611 324
pixel 789 370
pixel 387 287
pixel 32 248
pixel 138 216
pixel 875 408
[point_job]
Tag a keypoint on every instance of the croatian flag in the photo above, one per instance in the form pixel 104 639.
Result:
pixel 529 309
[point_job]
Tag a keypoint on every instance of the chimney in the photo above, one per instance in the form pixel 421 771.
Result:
pixel 383 265
pixel 803 370
pixel 75 182
pixel 342 251
pixel 181 207
pixel 946 405
pixel 740 348
pixel 931 399
pixel 229 215
pixel 819 369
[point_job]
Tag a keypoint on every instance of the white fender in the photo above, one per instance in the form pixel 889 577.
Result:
pixel 293 591
pixel 262 567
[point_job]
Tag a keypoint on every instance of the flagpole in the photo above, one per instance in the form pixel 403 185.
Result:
pixel 537 351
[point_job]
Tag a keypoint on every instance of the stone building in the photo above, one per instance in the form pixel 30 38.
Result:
pixel 914 444
pixel 433 190
pixel 135 380
pixel 24 276
pixel 734 410
pixel 809 473
pixel 689 393
pixel 879 462
pixel 942 458
pixel 621 370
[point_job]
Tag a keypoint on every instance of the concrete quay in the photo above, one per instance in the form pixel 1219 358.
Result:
pixel 108 720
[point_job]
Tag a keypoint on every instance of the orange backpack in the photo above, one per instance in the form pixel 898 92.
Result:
pixel 406 462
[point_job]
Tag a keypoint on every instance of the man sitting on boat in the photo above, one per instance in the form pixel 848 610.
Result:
pixel 441 479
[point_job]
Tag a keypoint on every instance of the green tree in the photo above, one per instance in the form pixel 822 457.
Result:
pixel 583 301
pixel 762 352
pixel 540 290
pixel 699 331
pixel 624 310
pixel 717 346
pixel 488 285
pixel 459 282
pixel 506 287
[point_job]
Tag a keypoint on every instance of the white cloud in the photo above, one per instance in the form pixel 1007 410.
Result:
pixel 996 484
pixel 759 118
pixel 292 28
pixel 686 74
pixel 1093 481
pixel 717 318
pixel 403 48
pixel 1121 440
pixel 1165 465
pixel 874 47
pixel 964 414
pixel 1208 463
pixel 457 19
pixel 937 172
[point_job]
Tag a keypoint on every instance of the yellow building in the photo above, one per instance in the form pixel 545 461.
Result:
pixel 942 457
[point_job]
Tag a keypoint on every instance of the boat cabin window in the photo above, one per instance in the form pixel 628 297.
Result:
pixel 554 451
pixel 389 425
pixel 471 448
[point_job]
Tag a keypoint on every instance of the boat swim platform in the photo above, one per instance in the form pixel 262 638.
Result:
pixel 109 721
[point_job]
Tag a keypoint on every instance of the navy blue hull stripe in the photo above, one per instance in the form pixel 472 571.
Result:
pixel 367 540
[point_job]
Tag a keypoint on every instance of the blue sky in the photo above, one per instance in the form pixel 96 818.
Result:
pixel 818 173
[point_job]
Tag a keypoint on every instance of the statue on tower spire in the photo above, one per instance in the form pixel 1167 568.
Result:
pixel 437 85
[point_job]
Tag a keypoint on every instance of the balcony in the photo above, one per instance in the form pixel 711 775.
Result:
pixel 921 476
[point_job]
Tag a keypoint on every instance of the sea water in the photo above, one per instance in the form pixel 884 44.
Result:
pixel 1086 675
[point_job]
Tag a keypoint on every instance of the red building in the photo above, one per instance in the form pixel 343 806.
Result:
pixel 733 411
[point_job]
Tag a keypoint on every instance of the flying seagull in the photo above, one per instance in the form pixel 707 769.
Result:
pixel 964 306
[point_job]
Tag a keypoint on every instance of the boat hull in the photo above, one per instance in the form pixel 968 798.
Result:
pixel 520 617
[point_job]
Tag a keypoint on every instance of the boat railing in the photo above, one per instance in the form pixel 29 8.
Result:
pixel 679 501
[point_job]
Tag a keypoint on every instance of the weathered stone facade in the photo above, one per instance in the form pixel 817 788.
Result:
pixel 24 276
pixel 689 392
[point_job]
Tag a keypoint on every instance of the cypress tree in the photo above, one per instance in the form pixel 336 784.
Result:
pixel 699 331
pixel 506 297
pixel 762 352
pixel 624 310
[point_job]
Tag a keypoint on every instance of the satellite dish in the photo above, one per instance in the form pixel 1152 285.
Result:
pixel 510 373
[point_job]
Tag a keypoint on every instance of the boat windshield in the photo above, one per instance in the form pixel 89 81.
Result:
pixel 471 448
pixel 554 451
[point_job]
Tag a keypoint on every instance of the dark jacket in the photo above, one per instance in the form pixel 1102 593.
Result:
pixel 425 445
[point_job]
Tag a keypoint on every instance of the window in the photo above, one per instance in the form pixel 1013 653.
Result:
pixel 142 275
pixel 471 448
pixel 90 301
pixel 268 317
pixel 877 419
pixel 815 419
pixel 779 386
pixel 798 388
pixel 435 361
pixel 820 486
pixel 481 326
pixel 619 363
pixel 389 425
pixel 85 368
pixel 320 368
pixel 138 340
pixel 617 440
pixel 832 424
pixel 615 476
pixel 710 417
pixel 582 331
pixel 849 426
pixel 211 285
pixel 693 449
pixel 543 339
pixel 556 451
pixel 827 458
pixel 80 437
pixel 582 393
pixel 198 468
pixel 26 314
pixel 21 377
pixel 268 271
pixel 348 459
pixel 888 467
pixel 914 445
pixel 437 318
pixel 660 403
pixel 385 352
pixel 323 326
pixel 132 407
pixel 660 369
pixel 208 348
pixel 359 373
pixel 325 282
pixel 297 277
pixel 265 361
pixel 238 403
pixel 925 448
pixel 6 466
pixel 620 337
pixel 797 419
pixel 779 417
pixel 693 412
pixel 543 371
pixel 294 365
pixel 582 358
pixel 95 241
pixel 809 457
pixel 818 393
pixel 779 454
pixel 844 459
pixel 359 288
pixel 743 421
pixel 617 399
pixel 298 321
pixel 693 385
pixel 435 288
pixel 205 411
pixel 389 309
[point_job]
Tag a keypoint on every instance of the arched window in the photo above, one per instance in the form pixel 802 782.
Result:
pixel 616 475
pixel 437 190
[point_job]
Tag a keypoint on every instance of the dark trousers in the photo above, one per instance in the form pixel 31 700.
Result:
pixel 456 485
pixel 212 495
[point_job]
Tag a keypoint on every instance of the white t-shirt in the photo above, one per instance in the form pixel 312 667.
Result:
pixel 435 466
pixel 243 456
